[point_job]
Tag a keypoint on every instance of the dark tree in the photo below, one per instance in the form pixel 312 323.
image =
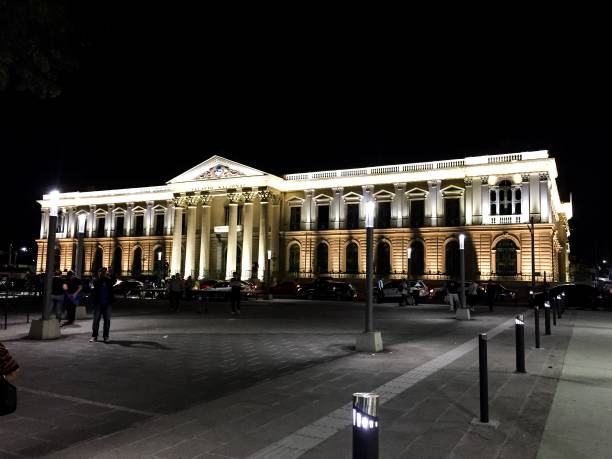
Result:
pixel 38 46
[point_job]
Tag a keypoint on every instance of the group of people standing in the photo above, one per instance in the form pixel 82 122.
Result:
pixel 177 288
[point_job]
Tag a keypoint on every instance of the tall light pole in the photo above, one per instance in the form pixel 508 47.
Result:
pixel 462 313
pixel 46 328
pixel 269 263
pixel 81 218
pixel 370 340
pixel 409 270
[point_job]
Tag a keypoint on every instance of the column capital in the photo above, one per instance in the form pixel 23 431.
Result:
pixel 525 178
pixel 192 200
pixel 484 180
pixel 543 176
pixel 275 199
pixel 399 185
pixel 248 197
pixel 129 204
pixel 205 199
pixel 92 207
pixel 180 201
pixel 264 195
pixel 467 181
pixel 234 197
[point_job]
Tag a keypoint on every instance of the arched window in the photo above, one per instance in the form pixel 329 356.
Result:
pixel 417 259
pixel 383 258
pixel 352 258
pixel 294 258
pixel 116 265
pixel 505 258
pixel 505 200
pixel 452 259
pixel 97 261
pixel 137 262
pixel 322 254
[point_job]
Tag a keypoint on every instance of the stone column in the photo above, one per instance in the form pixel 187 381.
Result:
pixel 431 203
pixel 44 225
pixel 485 200
pixel 232 235
pixel 336 208
pixel 525 198
pixel 367 193
pixel 399 203
pixel 169 217
pixel 274 216
pixel 467 199
pixel 308 214
pixel 190 247
pixel 91 226
pixel 129 217
pixel 110 222
pixel 544 207
pixel 247 237
pixel 263 233
pixel 177 236
pixel 205 238
pixel 476 201
pixel 71 228
pixel 148 219
pixel 534 197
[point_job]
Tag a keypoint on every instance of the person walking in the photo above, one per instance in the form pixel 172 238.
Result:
pixel 175 291
pixel 452 290
pixel 403 289
pixel 58 291
pixel 189 285
pixel 72 297
pixel 235 285
pixel 102 299
pixel 491 293
pixel 472 295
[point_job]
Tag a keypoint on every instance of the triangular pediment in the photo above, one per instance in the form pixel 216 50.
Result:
pixel 216 168
pixel 352 196
pixel 417 191
pixel 452 190
pixel 383 195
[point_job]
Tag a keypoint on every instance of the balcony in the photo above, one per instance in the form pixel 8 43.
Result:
pixel 506 219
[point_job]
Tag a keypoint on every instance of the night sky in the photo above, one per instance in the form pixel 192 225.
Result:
pixel 157 93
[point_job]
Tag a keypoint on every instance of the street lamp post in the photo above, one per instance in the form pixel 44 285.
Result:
pixel 463 313
pixel 269 263
pixel 370 340
pixel 47 328
pixel 81 218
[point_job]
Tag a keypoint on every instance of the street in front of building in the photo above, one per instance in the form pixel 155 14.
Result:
pixel 277 382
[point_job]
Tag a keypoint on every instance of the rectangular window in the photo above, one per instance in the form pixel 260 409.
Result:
pixel 517 208
pixel 100 227
pixel 295 218
pixel 493 209
pixel 383 214
pixel 119 225
pixel 452 212
pixel 159 225
pixel 139 227
pixel 417 213
pixel 322 217
pixel 352 216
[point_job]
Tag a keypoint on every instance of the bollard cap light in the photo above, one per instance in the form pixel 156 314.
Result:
pixel 366 402
pixel 461 241
pixel 547 304
pixel 519 319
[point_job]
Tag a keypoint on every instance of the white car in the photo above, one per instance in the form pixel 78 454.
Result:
pixel 421 287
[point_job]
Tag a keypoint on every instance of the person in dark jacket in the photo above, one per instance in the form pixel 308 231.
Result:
pixel 8 366
pixel 102 298
pixel 73 297
pixel 235 286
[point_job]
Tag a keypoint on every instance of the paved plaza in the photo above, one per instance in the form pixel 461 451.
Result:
pixel 277 381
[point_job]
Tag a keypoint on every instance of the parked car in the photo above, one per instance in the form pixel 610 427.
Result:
pixel 206 283
pixel 504 294
pixel 327 289
pixel 581 296
pixel 128 287
pixel 284 288
pixel 439 293
pixel 391 290
pixel 222 290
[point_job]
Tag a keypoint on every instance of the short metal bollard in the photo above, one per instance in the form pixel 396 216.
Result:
pixel 519 333
pixel 536 316
pixel 365 425
pixel 547 318
pixel 484 379
pixel 554 311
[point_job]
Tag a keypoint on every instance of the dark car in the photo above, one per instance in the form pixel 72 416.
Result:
pixel 580 296
pixel 129 287
pixel 284 288
pixel 327 289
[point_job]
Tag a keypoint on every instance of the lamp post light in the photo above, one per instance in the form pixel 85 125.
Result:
pixel 47 328
pixel 269 263
pixel 370 340
pixel 409 270
pixel 463 313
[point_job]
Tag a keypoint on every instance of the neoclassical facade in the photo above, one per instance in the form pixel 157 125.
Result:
pixel 222 216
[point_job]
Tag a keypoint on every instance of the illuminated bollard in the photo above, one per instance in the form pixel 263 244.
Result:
pixel 519 333
pixel 365 425
pixel 536 316
pixel 484 378
pixel 547 318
